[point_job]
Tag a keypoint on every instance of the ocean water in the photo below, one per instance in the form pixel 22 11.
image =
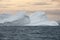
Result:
pixel 29 32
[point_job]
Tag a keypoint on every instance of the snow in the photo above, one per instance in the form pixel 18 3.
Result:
pixel 21 19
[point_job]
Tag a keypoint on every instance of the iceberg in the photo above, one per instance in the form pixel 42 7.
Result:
pixel 22 19
pixel 39 18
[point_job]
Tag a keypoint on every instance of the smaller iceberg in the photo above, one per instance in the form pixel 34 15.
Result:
pixel 40 19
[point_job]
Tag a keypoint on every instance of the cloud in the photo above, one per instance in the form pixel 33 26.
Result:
pixel 5 0
pixel 56 0
pixel 41 3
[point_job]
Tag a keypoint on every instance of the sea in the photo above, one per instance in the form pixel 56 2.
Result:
pixel 29 32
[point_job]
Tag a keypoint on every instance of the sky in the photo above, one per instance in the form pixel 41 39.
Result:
pixel 30 5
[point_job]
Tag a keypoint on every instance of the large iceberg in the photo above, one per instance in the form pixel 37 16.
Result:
pixel 21 19
pixel 39 18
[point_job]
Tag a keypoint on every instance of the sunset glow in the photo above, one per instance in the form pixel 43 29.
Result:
pixel 28 5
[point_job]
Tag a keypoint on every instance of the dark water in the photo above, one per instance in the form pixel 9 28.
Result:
pixel 29 32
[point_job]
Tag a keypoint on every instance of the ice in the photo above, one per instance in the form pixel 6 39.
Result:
pixel 45 23
pixel 18 19
pixel 4 17
pixel 39 18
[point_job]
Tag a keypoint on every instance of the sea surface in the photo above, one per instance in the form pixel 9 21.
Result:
pixel 29 32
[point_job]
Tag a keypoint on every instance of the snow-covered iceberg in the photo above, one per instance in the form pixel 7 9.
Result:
pixel 21 19
pixel 40 19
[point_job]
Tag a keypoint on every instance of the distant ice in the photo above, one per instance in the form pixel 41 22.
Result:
pixel 21 19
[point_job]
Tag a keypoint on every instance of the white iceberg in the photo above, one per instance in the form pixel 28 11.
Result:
pixel 40 19
pixel 21 19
